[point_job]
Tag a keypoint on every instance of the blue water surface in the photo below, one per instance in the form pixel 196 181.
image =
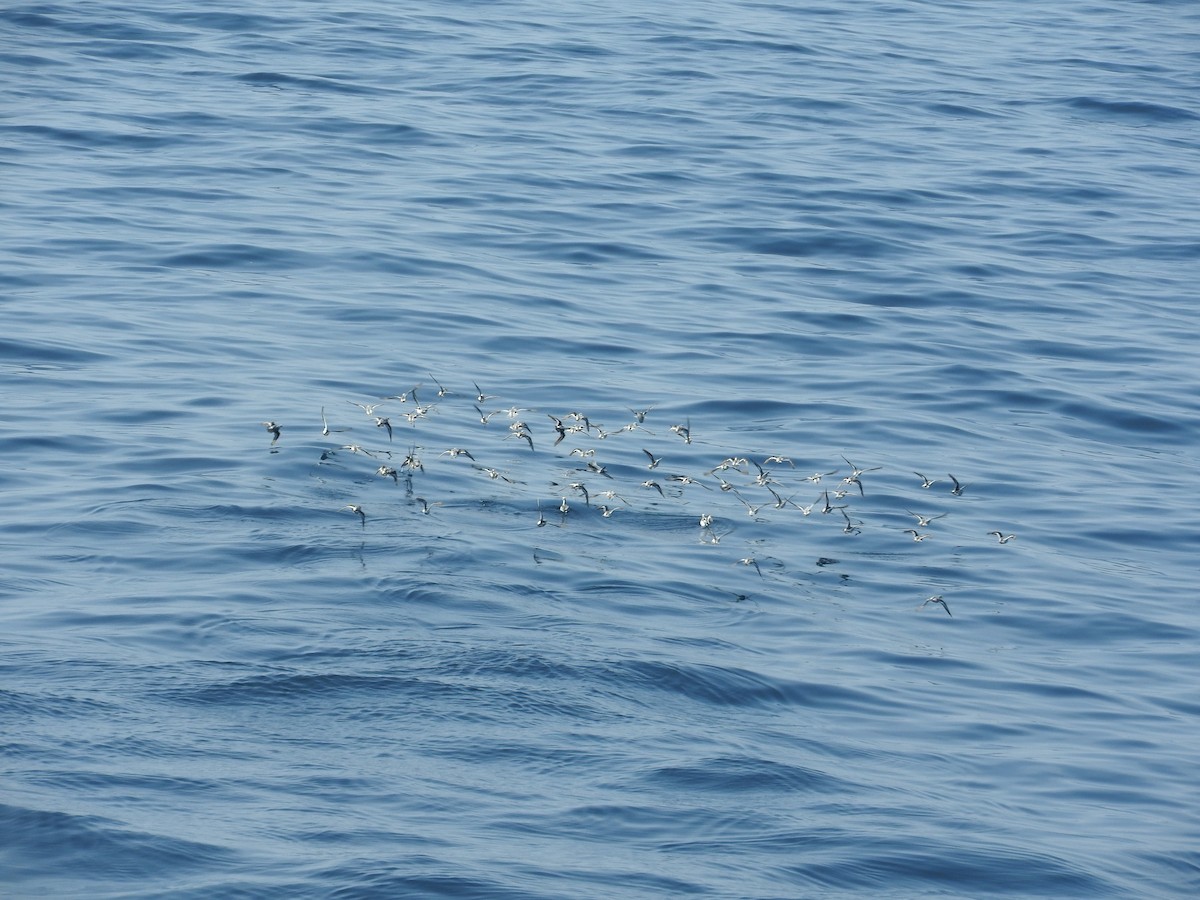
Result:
pixel 785 263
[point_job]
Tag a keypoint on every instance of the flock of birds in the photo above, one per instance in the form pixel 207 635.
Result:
pixel 598 471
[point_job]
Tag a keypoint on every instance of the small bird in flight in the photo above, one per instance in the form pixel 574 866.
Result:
pixel 750 561
pixel 325 429
pixel 923 521
pixel 938 599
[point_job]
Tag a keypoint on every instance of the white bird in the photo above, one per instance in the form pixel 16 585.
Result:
pixel 750 561
pixel 484 418
pixel 325 429
pixel 358 511
pixel 923 521
pixel 441 391
pixel 938 599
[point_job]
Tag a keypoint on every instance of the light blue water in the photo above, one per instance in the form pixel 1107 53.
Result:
pixel 923 237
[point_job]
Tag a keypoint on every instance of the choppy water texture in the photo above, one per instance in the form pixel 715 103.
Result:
pixel 909 238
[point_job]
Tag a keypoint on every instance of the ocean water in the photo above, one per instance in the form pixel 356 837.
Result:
pixel 797 241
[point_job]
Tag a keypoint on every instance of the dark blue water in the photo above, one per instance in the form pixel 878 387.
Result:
pixel 927 238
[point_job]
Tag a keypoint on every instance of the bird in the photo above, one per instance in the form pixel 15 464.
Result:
pixel 607 511
pixel 454 452
pixel 419 412
pixel 325 429
pixel 368 408
pixel 580 417
pixel 581 488
pixel 654 460
pixel 850 527
pixel 274 429
pixel 441 391
pixel 480 396
pixel 412 461
pixel 731 462
pixel 388 472
pixel 598 469
pixel 925 482
pixel 494 474
pixel 358 511
pixel 1002 538
pixel 938 599
pixel 816 477
pixel 855 471
pixel 425 506
pixel 688 479
pixel 684 431
pixel 655 485
pixel 917 536
pixel 484 418
pixel 725 485
pixel 384 422
pixel 522 434
pixel 706 520
pixel 923 521
pixel 829 507
pixel 403 398
pixel 640 414
pixel 958 488
pixel 751 510
pixel 750 561
pixel 763 478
